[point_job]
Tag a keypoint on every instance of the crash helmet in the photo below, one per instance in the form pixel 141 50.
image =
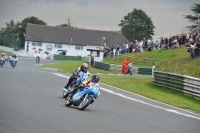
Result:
pixel 95 79
pixel 84 67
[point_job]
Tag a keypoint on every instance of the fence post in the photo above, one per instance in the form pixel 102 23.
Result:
pixel 153 69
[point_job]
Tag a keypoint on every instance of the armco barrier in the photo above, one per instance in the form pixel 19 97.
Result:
pixel 118 68
pixel 102 65
pixel 63 57
pixel 185 84
pixel 145 71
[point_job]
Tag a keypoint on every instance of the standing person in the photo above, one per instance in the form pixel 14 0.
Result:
pixel 126 47
pixel 190 47
pixel 149 45
pixel 187 37
pixel 197 47
pixel 117 50
pixel 124 67
pixel 152 43
pixel 141 45
pixel 131 47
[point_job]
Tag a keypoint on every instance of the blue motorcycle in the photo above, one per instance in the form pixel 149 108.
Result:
pixel 74 84
pixel 83 97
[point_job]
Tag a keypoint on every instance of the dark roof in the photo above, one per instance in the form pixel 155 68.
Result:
pixel 63 35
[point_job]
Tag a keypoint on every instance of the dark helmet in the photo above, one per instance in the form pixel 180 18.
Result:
pixel 95 79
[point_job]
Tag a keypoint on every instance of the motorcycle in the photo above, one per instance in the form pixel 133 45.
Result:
pixel 2 62
pixel 83 97
pixel 37 60
pixel 10 59
pixel 13 62
pixel 129 69
pixel 75 83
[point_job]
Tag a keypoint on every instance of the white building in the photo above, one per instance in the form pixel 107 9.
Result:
pixel 70 41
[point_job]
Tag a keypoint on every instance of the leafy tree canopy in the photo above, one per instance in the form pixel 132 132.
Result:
pixel 136 25
pixel 193 18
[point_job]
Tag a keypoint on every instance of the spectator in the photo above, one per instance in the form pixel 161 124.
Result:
pixel 190 46
pixel 197 47
pixel 175 44
pixel 117 50
pixel 126 47
pixel 141 45
pixel 187 38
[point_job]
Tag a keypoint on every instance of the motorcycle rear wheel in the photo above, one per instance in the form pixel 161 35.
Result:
pixel 131 72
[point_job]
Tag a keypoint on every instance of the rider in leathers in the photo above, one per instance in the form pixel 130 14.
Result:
pixel 80 71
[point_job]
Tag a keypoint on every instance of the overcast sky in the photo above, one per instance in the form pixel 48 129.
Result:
pixel 167 15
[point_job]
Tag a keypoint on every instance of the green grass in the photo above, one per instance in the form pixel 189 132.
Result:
pixel 7 53
pixel 70 66
pixel 145 87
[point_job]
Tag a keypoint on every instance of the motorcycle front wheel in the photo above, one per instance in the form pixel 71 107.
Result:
pixel 67 102
pixel 85 103
pixel 65 94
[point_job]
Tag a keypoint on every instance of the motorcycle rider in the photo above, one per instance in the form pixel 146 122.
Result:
pixel 38 56
pixel 83 70
pixel 94 82
pixel 3 57
pixel 14 56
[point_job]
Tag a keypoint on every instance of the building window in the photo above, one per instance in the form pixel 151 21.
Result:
pixel 79 47
pixel 58 45
pixel 33 43
pixel 37 44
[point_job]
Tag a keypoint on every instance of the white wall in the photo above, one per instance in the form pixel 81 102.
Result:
pixel 71 51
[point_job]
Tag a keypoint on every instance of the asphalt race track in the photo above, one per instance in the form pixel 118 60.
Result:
pixel 31 102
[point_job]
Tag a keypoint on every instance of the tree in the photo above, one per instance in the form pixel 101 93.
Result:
pixel 193 18
pixel 10 29
pixel 137 25
pixel 21 26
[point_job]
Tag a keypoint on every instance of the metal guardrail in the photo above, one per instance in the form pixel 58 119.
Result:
pixel 184 84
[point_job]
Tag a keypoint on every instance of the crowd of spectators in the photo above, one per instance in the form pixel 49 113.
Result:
pixel 162 43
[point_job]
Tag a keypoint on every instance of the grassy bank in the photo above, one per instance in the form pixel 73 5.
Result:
pixel 173 60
